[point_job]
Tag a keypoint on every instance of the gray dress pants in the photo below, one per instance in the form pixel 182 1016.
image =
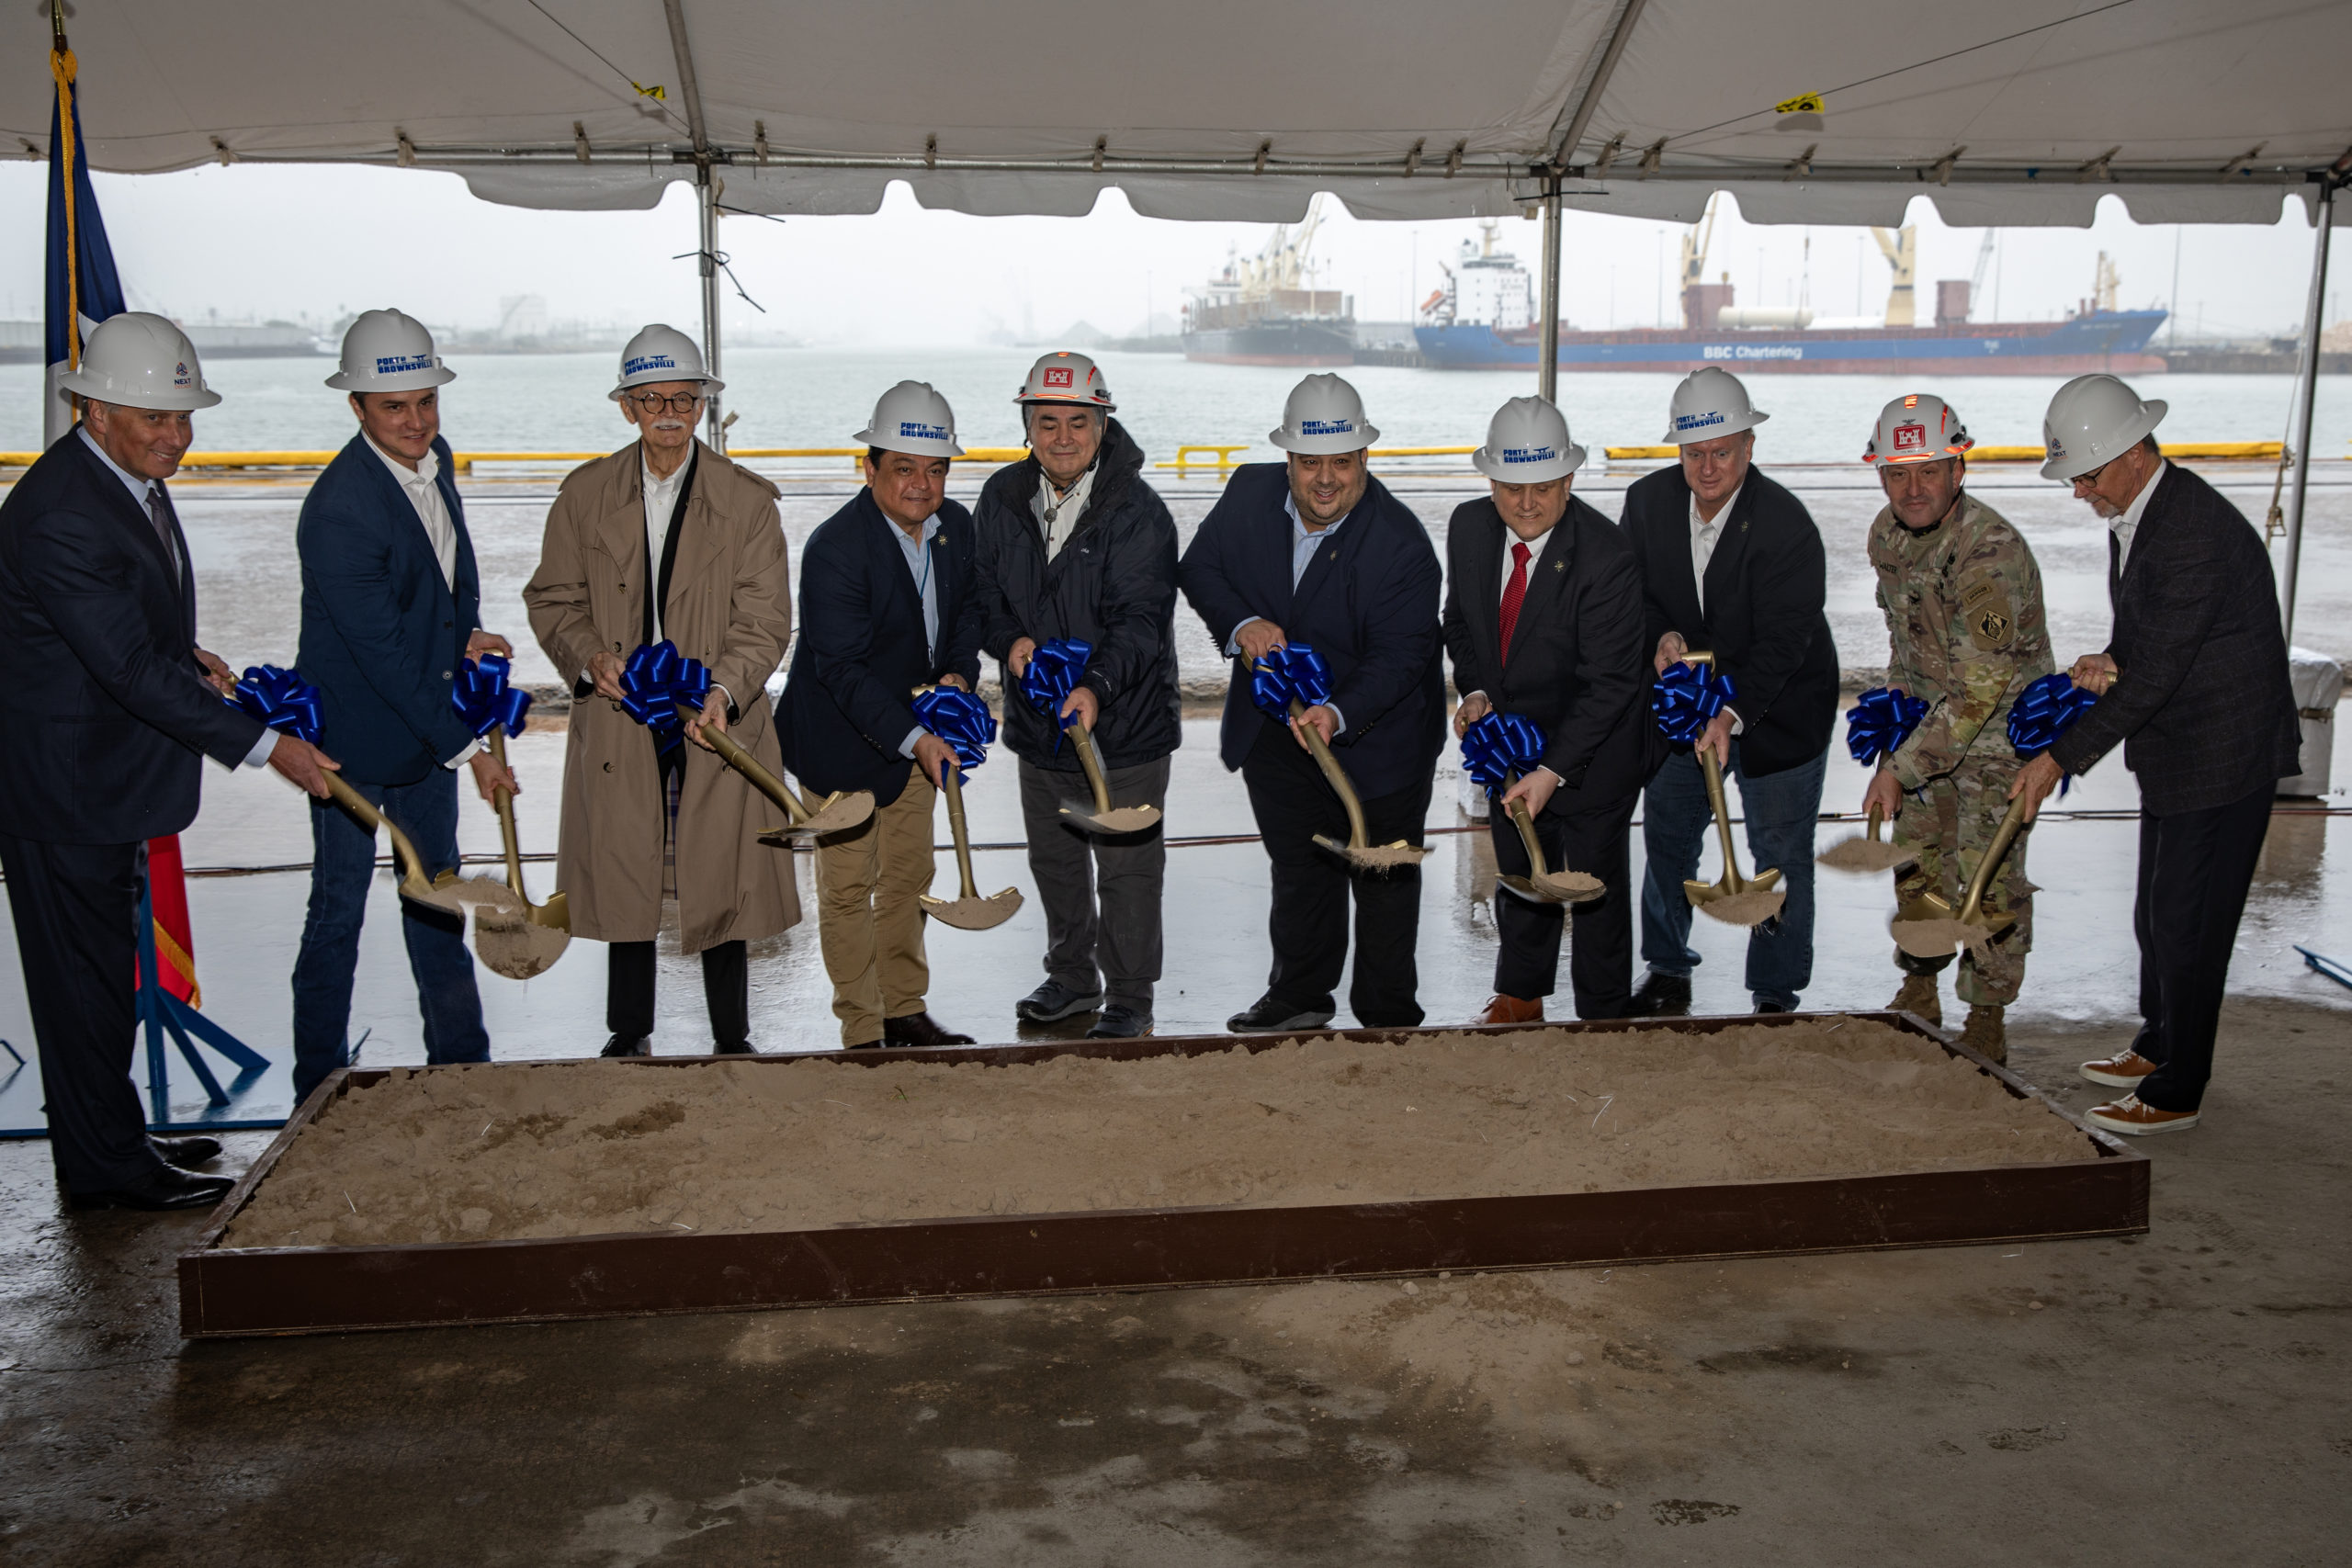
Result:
pixel 1100 894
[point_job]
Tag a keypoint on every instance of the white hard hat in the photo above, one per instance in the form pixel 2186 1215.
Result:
pixel 1710 403
pixel 385 351
pixel 1065 378
pixel 912 418
pixel 2093 421
pixel 1527 444
pixel 1324 415
pixel 140 361
pixel 1918 428
pixel 662 354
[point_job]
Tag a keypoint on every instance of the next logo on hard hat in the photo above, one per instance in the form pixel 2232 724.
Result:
pixel 2093 420
pixel 137 360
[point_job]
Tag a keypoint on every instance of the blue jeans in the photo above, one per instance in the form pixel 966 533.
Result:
pixel 342 864
pixel 1780 809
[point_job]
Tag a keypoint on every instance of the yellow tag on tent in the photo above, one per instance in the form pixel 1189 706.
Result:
pixel 656 91
pixel 1803 103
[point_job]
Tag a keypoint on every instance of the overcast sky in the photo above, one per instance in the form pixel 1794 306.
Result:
pixel 255 243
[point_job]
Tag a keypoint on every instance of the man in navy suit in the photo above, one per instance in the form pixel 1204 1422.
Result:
pixel 1318 552
pixel 887 605
pixel 390 602
pixel 109 708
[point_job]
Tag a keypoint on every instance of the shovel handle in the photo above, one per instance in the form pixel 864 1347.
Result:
pixel 1878 819
pixel 1707 764
pixel 506 819
pixel 766 783
pixel 1357 838
pixel 368 816
pixel 954 792
pixel 1091 760
pixel 1526 826
pixel 1971 905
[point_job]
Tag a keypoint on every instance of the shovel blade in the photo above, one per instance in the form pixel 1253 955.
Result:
pixel 1524 889
pixel 1117 821
pixel 973 914
pixel 1374 857
pixel 555 914
pixel 516 945
pixel 441 893
pixel 1751 907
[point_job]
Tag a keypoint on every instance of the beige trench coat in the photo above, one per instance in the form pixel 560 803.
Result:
pixel 731 607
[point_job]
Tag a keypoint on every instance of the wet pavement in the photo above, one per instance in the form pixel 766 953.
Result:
pixel 2177 1398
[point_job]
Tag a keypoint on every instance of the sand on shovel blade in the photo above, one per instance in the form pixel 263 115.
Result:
pixel 1859 854
pixel 511 945
pixel 1377 857
pixel 1571 886
pixel 1749 908
pixel 1118 819
pixel 1936 939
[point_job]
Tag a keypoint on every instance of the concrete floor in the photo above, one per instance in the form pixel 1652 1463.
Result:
pixel 2177 1398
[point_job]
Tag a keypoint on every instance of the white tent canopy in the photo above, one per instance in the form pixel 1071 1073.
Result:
pixel 2004 111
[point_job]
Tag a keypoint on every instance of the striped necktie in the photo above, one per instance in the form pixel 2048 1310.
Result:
pixel 1514 593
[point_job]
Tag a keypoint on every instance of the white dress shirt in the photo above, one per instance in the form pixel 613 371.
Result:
pixel 2125 527
pixel 1064 514
pixel 1704 538
pixel 1303 543
pixel 142 492
pixel 1510 564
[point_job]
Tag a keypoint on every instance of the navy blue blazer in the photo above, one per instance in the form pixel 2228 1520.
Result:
pixel 1368 603
pixel 104 715
pixel 382 632
pixel 849 699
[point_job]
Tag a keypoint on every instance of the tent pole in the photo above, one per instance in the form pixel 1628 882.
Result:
pixel 1548 351
pixel 2306 388
pixel 706 203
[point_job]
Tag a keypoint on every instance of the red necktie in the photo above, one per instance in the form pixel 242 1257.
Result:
pixel 1514 593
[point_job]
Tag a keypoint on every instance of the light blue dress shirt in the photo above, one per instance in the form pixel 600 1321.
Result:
pixel 1303 544
pixel 918 554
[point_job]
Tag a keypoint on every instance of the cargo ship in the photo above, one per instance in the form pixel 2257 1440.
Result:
pixel 1483 319
pixel 1263 309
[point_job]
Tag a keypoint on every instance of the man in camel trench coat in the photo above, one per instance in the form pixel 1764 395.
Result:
pixel 715 550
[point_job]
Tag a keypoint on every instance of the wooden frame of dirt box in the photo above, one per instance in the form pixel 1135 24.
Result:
pixel 301 1289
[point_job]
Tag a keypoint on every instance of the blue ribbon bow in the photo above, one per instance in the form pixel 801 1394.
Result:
pixel 1881 722
pixel 2044 711
pixel 1286 673
pixel 656 680
pixel 484 699
pixel 962 720
pixel 280 699
pixel 1053 674
pixel 1688 696
pixel 1500 745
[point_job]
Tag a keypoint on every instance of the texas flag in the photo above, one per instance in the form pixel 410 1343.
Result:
pixel 84 291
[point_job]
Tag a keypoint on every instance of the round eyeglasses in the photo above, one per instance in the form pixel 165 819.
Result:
pixel 654 402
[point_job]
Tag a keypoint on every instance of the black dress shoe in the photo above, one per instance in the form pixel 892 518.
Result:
pixel 1774 1007
pixel 1272 1015
pixel 166 1189
pixel 627 1045
pixel 921 1029
pixel 1661 996
pixel 187 1153
pixel 734 1048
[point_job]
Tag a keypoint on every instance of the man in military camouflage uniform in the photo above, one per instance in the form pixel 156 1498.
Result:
pixel 1962 599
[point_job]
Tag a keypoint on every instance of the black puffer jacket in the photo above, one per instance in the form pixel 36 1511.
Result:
pixel 1113 585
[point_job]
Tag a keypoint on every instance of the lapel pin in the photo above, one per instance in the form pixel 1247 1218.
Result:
pixel 1560 566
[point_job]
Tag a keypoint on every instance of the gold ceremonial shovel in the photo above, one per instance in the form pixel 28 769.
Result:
pixel 1734 899
pixel 1927 927
pixel 969 911
pixel 1356 851
pixel 838 812
pixel 1864 854
pixel 434 893
pixel 513 936
pixel 1102 819
pixel 1539 886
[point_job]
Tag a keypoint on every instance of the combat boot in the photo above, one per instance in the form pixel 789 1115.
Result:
pixel 1985 1034
pixel 1918 995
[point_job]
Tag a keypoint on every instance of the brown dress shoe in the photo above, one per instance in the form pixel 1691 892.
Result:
pixel 920 1029
pixel 1501 1009
pixel 2127 1115
pixel 2122 1070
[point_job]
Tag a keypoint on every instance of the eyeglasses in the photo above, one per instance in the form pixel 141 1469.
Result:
pixel 653 402
pixel 2092 478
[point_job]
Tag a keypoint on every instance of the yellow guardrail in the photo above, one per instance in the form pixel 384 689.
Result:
pixel 1222 463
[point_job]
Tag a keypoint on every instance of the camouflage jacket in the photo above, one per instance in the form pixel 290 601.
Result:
pixel 1964 617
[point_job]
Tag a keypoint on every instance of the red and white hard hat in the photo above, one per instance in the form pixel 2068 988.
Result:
pixel 1065 378
pixel 1917 427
